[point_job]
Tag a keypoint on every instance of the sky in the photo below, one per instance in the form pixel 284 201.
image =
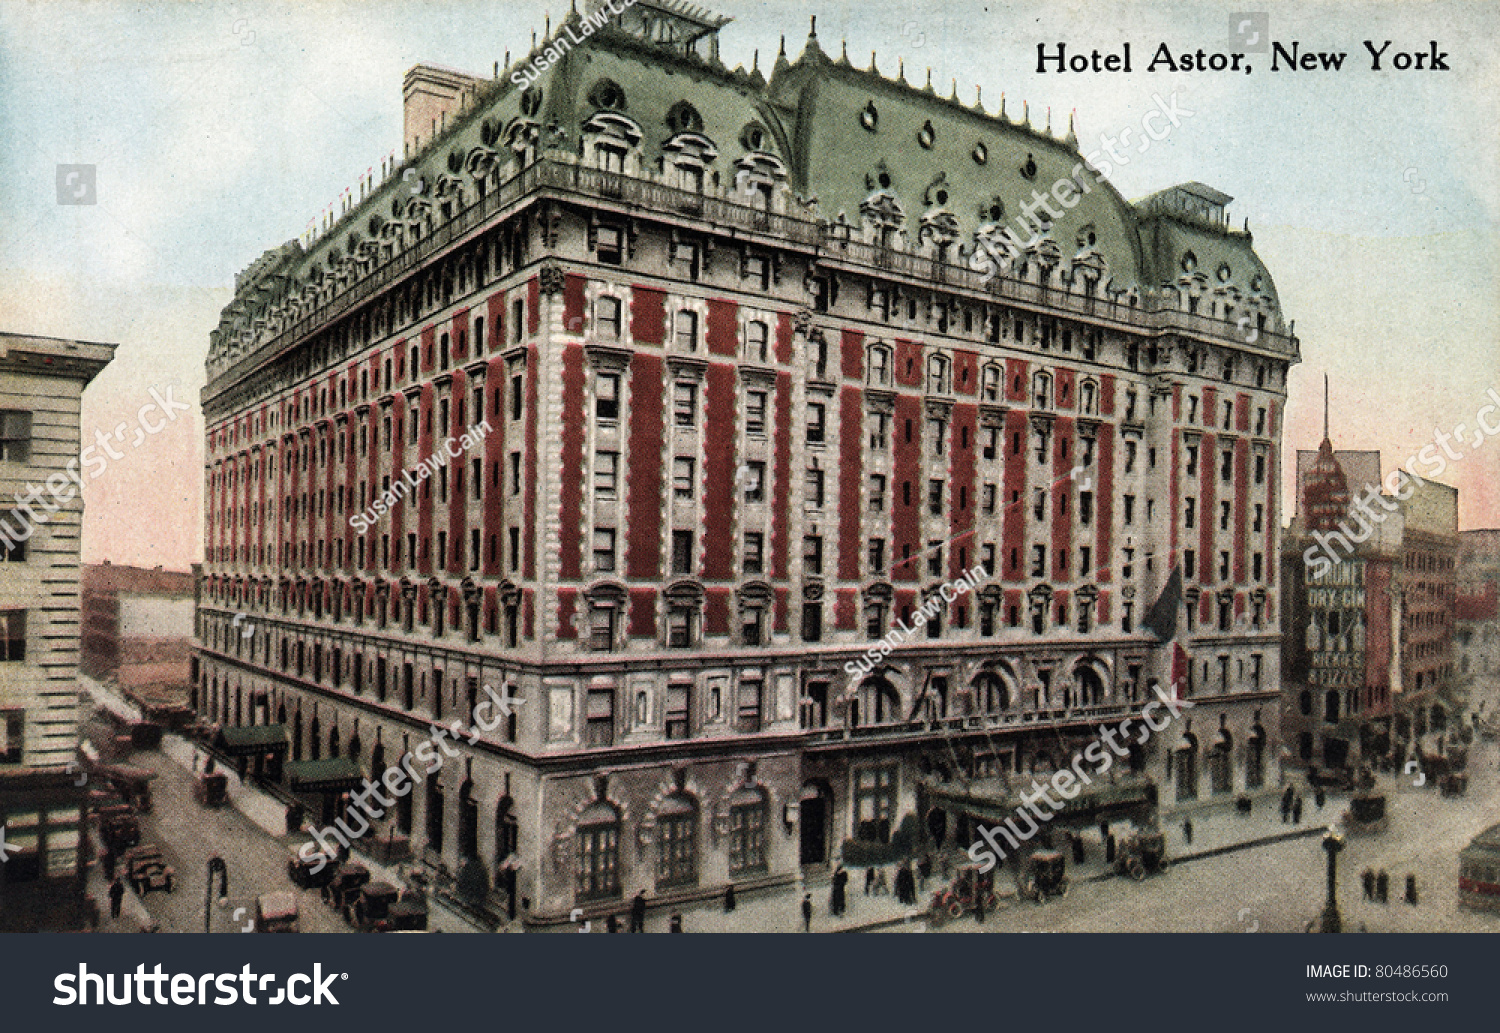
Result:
pixel 218 130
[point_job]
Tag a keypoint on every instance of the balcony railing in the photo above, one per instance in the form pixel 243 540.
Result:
pixel 1006 721
pixel 830 242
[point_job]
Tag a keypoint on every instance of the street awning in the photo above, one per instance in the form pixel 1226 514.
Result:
pixel 250 740
pixel 333 775
pixel 991 800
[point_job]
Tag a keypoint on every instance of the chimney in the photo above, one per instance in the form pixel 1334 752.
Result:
pixel 431 96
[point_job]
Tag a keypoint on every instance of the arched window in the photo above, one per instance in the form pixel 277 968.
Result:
pixel 989 380
pixel 1185 768
pixel 757 341
pixel 468 820
pixel 435 816
pixel 1220 778
pixel 685 336
pixel 598 843
pixel 1041 391
pixel 1088 398
pixel 677 842
pixel 938 375
pixel 878 372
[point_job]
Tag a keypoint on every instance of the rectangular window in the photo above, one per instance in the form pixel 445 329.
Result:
pixel 685 405
pixel 600 718
pixel 606 474
pixel 935 497
pixel 515 473
pixel 608 240
pixel 1129 501
pixel 935 558
pixel 607 318
pixel 877 556
pixel 1038 561
pixel 1189 563
pixel 812 622
pixel 815 423
pixel 747 838
pixel 987 557
pixel 604 549
pixel 814 492
pixel 1085 507
pixel 757 341
pixel 682 552
pixel 990 491
pixel 748 713
pixel 679 627
pixel 877 493
pixel 755 481
pixel 755 414
pixel 812 554
pixel 682 477
pixel 602 621
pixel 13 549
pixel 15 436
pixel 880 431
pixel 679 707
pixel 686 337
pixel 754 559
pixel 12 635
pixel 607 397
pixel 12 736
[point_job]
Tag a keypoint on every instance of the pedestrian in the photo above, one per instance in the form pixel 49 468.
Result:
pixel 903 883
pixel 1297 810
pixel 1109 849
pixel 807 912
pixel 1382 887
pixel 869 879
pixel 837 899
pixel 1103 831
pixel 1187 830
pixel 979 892
pixel 1286 803
pixel 116 897
pixel 924 872
pixel 729 899
pixel 1078 852
pixel 882 887
pixel 638 912
pixel 1368 880
pixel 1319 797
pixel 674 925
pixel 612 923
pixel 1411 889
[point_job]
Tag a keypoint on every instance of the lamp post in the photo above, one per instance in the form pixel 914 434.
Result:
pixel 1332 922
pixel 215 865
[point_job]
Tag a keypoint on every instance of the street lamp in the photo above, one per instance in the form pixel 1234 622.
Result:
pixel 1332 922
pixel 215 864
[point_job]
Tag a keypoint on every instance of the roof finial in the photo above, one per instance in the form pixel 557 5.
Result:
pixel 1002 103
pixel 873 69
pixel 1049 119
pixel 547 26
pixel 782 52
pixel 901 68
pixel 755 61
pixel 844 52
pixel 929 78
pixel 979 96
pixel 812 33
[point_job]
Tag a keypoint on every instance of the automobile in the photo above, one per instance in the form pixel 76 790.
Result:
pixel 1454 784
pixel 211 789
pixel 346 884
pixel 313 872
pixel 970 888
pixel 371 904
pixel 119 828
pixel 146 869
pixel 1045 876
pixel 277 913
pixel 1141 852
pixel 407 915
pixel 1366 813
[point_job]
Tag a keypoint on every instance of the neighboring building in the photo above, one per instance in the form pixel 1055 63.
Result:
pixel 1368 615
pixel 138 631
pixel 1476 628
pixel 41 384
pixel 747 407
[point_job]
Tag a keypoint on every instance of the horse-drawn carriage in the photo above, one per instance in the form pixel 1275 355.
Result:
pixel 1141 853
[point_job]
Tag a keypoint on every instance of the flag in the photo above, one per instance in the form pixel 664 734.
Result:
pixel 1161 619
